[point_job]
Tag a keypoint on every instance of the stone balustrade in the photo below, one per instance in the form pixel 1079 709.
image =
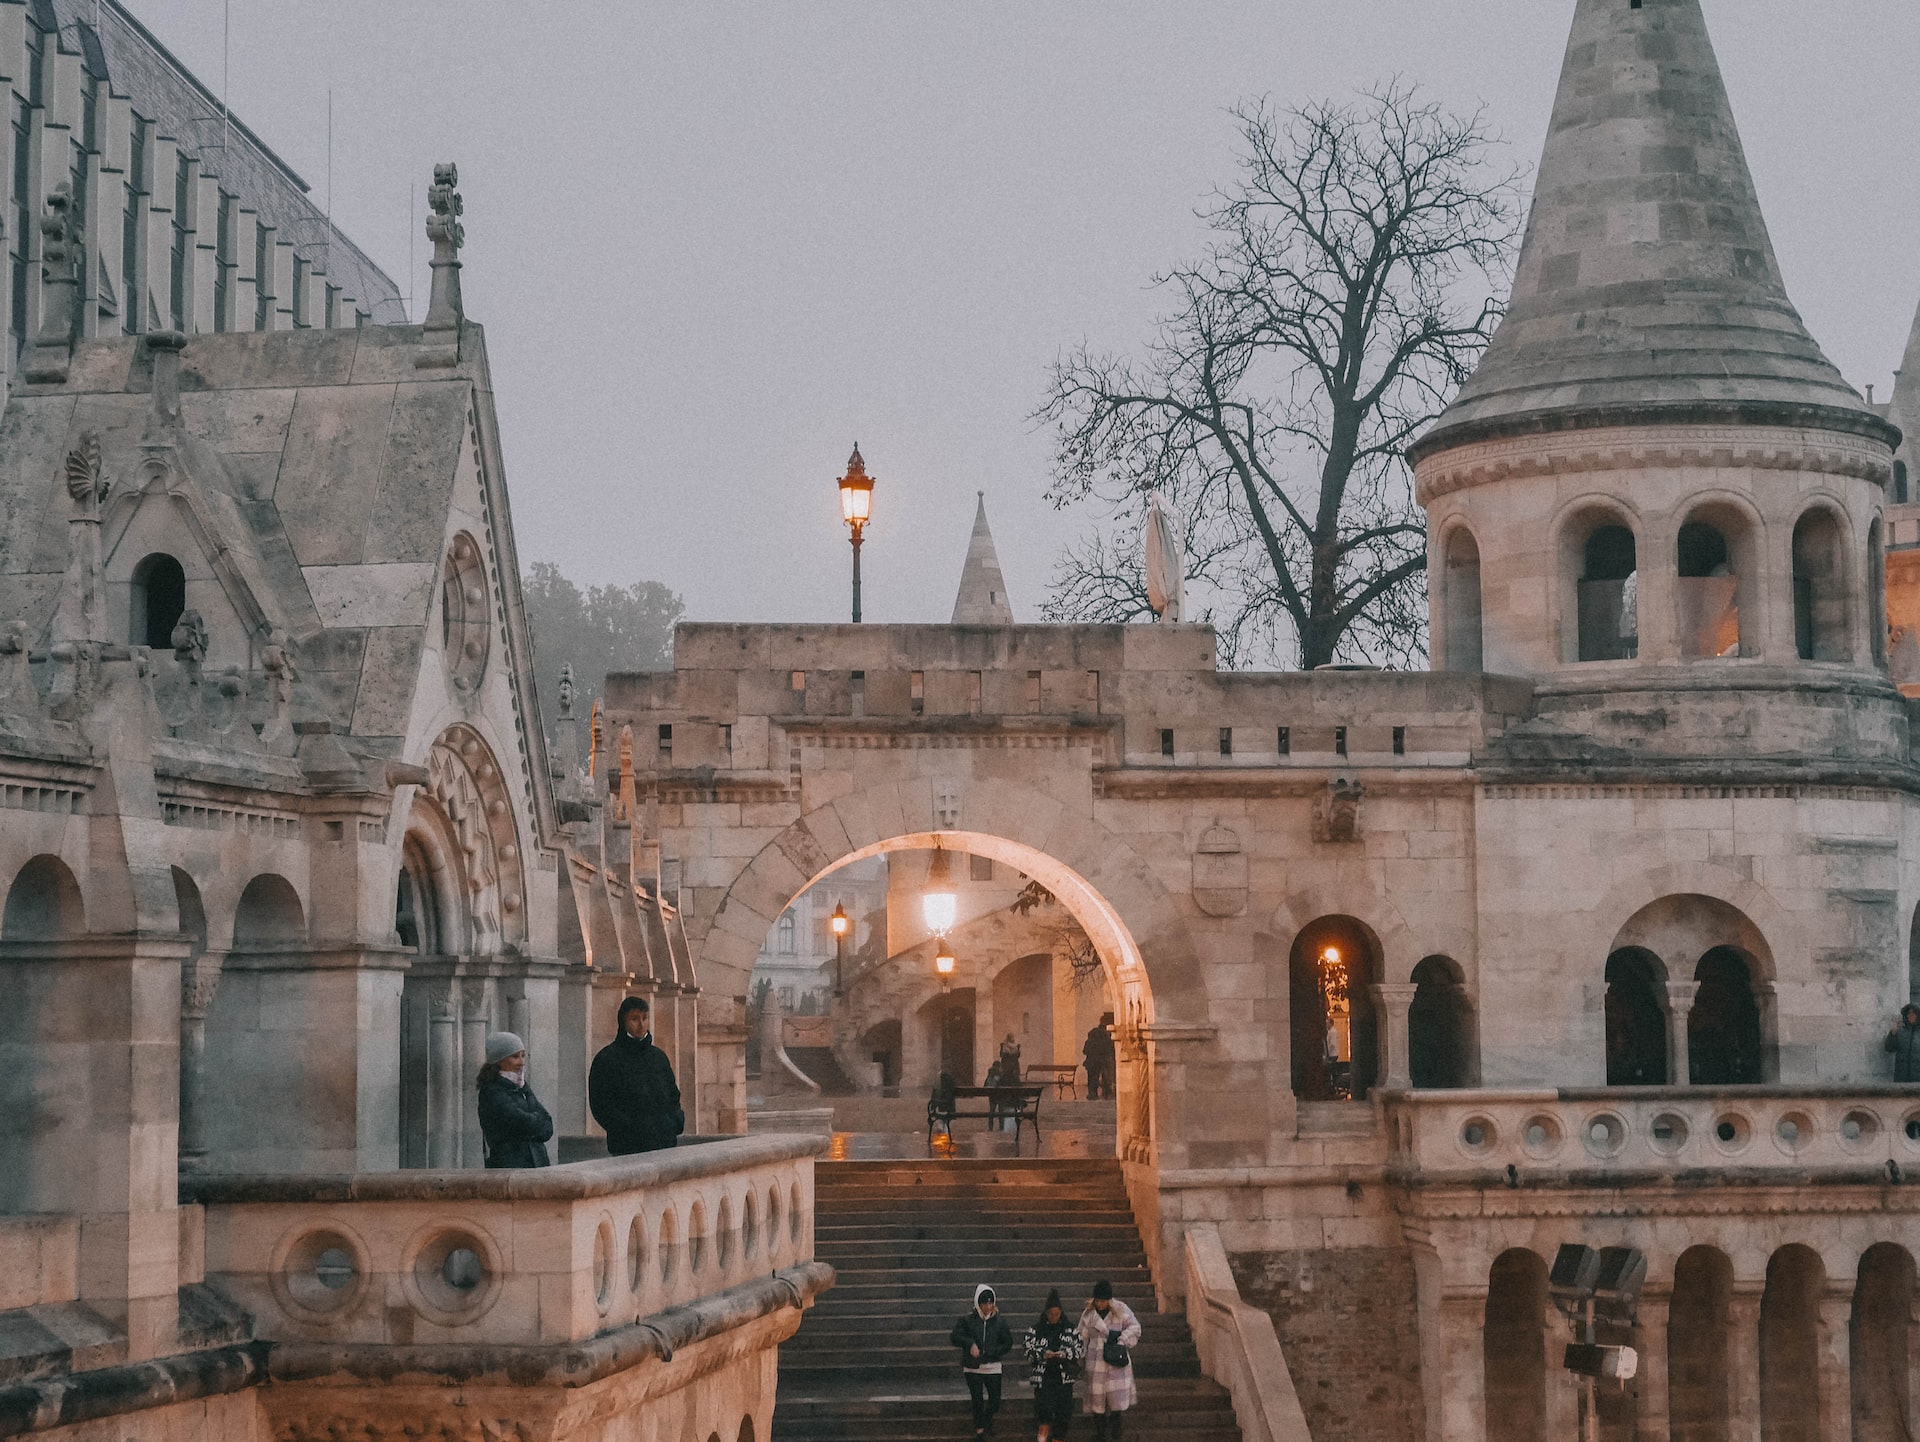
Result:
pixel 1835 1132
pixel 515 1258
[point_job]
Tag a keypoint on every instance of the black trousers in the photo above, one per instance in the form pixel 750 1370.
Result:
pixel 1107 1424
pixel 984 1390
pixel 1053 1408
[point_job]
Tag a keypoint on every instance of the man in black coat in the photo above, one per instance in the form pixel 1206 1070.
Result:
pixel 630 1088
pixel 1904 1042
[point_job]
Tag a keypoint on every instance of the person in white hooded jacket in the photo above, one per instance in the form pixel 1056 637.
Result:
pixel 984 1339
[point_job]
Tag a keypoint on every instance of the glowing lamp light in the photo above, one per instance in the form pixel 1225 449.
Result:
pixel 943 960
pixel 856 493
pixel 1330 957
pixel 939 905
pixel 839 921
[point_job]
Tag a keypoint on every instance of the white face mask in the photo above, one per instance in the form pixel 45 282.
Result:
pixel 518 1078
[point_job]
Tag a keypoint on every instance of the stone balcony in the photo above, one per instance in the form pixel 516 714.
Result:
pixel 513 1258
pixel 1620 1135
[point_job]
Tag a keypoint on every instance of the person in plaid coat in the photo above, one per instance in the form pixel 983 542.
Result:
pixel 1053 1349
pixel 1109 1388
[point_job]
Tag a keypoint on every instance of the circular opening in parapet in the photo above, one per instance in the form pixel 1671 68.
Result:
pixel 1794 1132
pixel 603 1263
pixel 320 1273
pixel 453 1274
pixel 1732 1132
pixel 1858 1129
pixel 669 1243
pixel 1542 1135
pixel 636 1253
pixel 793 1214
pixel 696 1238
pixel 1668 1133
pixel 1604 1134
pixel 749 1228
pixel 1478 1135
pixel 773 1220
pixel 1910 1128
pixel 723 1235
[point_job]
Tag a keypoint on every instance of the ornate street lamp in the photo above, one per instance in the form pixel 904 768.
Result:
pixel 840 926
pixel 943 963
pixel 856 507
pixel 939 904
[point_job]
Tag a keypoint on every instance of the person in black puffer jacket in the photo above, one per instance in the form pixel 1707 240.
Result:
pixel 512 1121
pixel 983 1338
pixel 630 1087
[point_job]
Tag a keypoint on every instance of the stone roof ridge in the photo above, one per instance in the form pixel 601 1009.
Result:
pixel 982 597
pixel 1647 286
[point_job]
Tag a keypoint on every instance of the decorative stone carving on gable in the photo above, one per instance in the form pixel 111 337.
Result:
pixel 1336 814
pixel 466 630
pixel 463 779
pixel 1220 873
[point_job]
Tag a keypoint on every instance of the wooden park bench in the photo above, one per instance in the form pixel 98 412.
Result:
pixel 1022 1103
pixel 1062 1079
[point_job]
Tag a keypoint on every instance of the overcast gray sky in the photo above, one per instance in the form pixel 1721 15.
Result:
pixel 714 244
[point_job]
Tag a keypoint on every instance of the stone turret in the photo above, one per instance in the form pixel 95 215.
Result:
pixel 1654 465
pixel 982 598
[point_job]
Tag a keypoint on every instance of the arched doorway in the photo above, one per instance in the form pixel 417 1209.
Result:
pixel 1723 1029
pixel 1331 971
pixel 1636 1019
pixel 727 948
pixel 1440 1050
pixel 1790 1346
pixel 1699 1323
pixel 1881 1339
pixel 1514 1348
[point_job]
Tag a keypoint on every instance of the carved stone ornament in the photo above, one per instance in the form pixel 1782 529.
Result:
pixel 566 691
pixel 946 805
pixel 1220 873
pixel 1336 814
pixel 86 477
pixel 189 638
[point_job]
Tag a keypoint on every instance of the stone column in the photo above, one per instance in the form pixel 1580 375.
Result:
pixel 1391 1005
pixel 198 978
pixel 475 1023
pixel 916 1069
pixel 1773 1066
pixel 1680 995
pixel 1743 1359
pixel 1836 1360
pixel 442 1092
pixel 986 1040
pixel 1650 1340
pixel 1462 1383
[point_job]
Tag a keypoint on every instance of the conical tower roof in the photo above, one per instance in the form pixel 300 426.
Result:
pixel 982 598
pixel 1647 287
pixel 1904 411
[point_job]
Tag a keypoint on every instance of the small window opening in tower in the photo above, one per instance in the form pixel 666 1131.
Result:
pixel 1899 483
pixel 1819 598
pixel 1166 741
pixel 1399 741
pixel 1226 741
pixel 1339 741
pixel 1608 597
pixel 1283 742
pixel 157 601
pixel 1709 593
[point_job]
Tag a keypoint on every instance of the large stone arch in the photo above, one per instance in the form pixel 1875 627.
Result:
pixel 1129 915
pixel 1785 949
pixel 1401 950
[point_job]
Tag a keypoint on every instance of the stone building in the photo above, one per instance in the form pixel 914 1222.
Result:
pixel 281 842
pixel 1590 934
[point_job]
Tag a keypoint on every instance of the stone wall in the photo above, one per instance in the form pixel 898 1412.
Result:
pixel 1347 1322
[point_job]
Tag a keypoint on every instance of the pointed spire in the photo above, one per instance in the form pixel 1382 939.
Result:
pixel 982 598
pixel 1647 285
pixel 1904 407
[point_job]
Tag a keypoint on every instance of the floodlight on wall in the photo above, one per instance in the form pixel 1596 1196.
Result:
pixel 939 904
pixel 1575 1269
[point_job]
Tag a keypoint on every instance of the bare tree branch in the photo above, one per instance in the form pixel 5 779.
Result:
pixel 1351 284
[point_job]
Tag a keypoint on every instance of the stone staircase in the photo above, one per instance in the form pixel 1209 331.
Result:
pixel 820 1063
pixel 911 1239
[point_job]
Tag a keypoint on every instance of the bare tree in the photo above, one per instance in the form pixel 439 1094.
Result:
pixel 1352 282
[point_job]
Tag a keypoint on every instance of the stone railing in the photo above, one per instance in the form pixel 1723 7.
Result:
pixel 515 1258
pixel 1238 1346
pixel 1835 1131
